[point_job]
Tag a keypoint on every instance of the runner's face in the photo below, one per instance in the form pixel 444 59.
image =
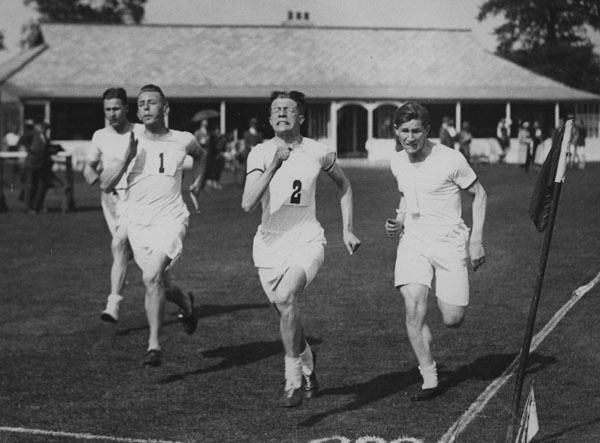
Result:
pixel 412 135
pixel 151 107
pixel 285 116
pixel 115 112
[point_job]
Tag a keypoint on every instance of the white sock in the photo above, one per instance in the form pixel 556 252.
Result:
pixel 430 378
pixel 114 300
pixel 307 361
pixel 293 372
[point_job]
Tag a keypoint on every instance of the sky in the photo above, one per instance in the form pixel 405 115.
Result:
pixel 388 13
pixel 392 13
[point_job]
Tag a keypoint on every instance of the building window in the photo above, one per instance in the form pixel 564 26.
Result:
pixel 290 15
pixel 306 16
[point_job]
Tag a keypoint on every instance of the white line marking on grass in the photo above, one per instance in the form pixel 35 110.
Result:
pixel 81 436
pixel 366 439
pixel 481 401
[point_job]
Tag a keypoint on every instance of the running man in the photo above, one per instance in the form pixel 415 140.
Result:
pixel 289 243
pixel 153 212
pixel 109 145
pixel 434 246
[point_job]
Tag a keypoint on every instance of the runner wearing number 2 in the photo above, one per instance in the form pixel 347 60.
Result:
pixel 289 243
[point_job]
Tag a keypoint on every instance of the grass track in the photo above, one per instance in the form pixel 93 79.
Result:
pixel 62 369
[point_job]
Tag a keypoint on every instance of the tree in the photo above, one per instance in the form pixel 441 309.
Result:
pixel 90 11
pixel 549 37
pixel 31 35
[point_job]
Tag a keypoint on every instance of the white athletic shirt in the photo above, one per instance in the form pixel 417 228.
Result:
pixel 154 181
pixel 432 189
pixel 289 200
pixel 107 145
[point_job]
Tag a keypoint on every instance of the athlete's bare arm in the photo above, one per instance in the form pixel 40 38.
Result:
pixel 345 193
pixel 91 172
pixel 199 155
pixel 257 181
pixel 395 226
pixel 479 204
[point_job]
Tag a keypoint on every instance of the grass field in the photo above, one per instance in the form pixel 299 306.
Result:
pixel 61 369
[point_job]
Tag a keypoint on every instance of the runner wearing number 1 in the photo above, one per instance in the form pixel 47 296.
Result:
pixel 153 212
pixel 289 244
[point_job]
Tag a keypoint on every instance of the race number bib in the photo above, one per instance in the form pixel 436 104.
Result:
pixel 296 194
pixel 161 163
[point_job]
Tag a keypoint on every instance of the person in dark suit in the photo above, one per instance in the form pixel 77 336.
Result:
pixel 38 167
pixel 252 137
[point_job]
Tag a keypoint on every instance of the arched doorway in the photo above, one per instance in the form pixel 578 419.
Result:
pixel 352 131
pixel 383 121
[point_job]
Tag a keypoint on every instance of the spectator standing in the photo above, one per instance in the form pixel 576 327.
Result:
pixel 465 137
pixel 202 134
pixel 578 157
pixel 10 142
pixel 447 132
pixel 537 137
pixel 503 138
pixel 251 137
pixel 215 161
pixel 38 167
pixel 525 145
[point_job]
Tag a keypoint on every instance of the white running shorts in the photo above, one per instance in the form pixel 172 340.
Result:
pixel 274 254
pixel 439 263
pixel 165 237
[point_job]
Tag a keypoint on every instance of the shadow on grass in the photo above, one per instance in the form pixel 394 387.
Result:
pixel 489 367
pixel 87 208
pixel 202 311
pixel 123 332
pixel 556 436
pixel 237 355
pixel 368 392
pixel 484 368
pixel 212 310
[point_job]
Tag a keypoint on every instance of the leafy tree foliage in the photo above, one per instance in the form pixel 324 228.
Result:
pixel 90 11
pixel 549 37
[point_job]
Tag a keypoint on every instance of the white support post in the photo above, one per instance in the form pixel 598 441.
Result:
pixel 458 115
pixel 333 108
pixel 507 117
pixel 47 119
pixel 370 107
pixel 556 114
pixel 222 117
pixel 47 112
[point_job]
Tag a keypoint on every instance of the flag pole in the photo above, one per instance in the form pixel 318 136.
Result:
pixel 524 354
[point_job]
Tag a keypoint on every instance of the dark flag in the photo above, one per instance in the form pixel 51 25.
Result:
pixel 544 204
pixel 541 199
